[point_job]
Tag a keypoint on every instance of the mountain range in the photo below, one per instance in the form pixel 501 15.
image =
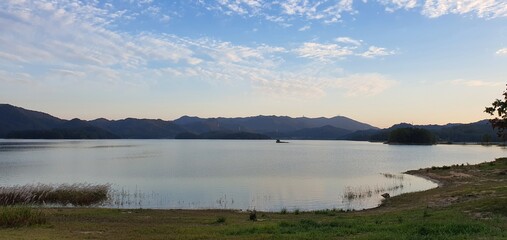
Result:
pixel 17 122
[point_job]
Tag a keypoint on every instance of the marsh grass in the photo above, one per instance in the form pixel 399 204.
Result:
pixel 361 192
pixel 19 216
pixel 393 176
pixel 80 194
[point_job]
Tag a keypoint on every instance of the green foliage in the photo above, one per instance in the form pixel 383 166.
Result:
pixel 411 136
pixel 253 216
pixel 498 109
pixel 283 211
pixel 19 216
pixel 221 220
pixel 87 132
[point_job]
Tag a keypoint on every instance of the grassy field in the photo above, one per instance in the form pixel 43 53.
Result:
pixel 471 203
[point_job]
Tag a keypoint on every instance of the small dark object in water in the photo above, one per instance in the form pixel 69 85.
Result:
pixel 278 141
pixel 385 195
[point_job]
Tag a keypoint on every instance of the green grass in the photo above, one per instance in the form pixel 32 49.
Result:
pixel 470 204
pixel 19 216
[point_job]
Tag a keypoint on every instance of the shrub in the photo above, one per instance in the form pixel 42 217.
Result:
pixel 283 211
pixel 253 216
pixel 221 220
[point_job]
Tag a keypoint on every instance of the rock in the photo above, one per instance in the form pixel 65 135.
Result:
pixel 385 195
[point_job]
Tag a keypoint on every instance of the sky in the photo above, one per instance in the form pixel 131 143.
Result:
pixel 380 62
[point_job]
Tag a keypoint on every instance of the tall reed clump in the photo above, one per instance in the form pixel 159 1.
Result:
pixel 79 194
pixel 19 216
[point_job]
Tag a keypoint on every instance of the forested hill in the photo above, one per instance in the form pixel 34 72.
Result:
pixel 16 122
pixel 477 132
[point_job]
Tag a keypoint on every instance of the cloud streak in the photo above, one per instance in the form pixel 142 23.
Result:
pixel 331 11
pixel 75 40
pixel 501 52
pixel 476 83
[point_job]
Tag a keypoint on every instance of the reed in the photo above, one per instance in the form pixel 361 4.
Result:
pixel 79 194
pixel 361 192
pixel 393 176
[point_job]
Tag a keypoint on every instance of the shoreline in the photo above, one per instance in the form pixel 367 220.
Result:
pixel 471 203
pixel 425 176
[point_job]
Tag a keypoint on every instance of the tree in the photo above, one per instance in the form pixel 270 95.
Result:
pixel 499 111
pixel 411 135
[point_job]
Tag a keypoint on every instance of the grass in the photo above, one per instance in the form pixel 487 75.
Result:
pixel 19 216
pixel 220 219
pixel 64 194
pixel 471 203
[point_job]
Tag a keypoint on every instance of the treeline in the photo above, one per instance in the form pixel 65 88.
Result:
pixel 89 132
pixel 411 135
pixel 478 132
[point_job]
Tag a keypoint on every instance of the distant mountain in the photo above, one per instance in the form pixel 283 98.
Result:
pixel 319 133
pixel 16 119
pixel 16 122
pixel 267 124
pixel 73 129
pixel 139 128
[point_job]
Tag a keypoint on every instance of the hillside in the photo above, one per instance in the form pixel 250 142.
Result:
pixel 14 118
pixel 73 129
pixel 480 132
pixel 268 124
pixel 16 122
pixel 132 128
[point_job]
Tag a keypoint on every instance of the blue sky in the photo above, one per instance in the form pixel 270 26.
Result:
pixel 377 61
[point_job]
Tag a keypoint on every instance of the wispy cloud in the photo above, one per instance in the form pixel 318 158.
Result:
pixel 304 28
pixel 501 52
pixel 348 40
pixel 330 52
pixel 393 5
pixel 80 43
pixel 376 52
pixel 303 85
pixel 330 11
pixel 476 83
pixel 368 84
pixel 327 11
pixel 479 8
pixel 323 51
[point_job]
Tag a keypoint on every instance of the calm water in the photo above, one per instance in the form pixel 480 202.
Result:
pixel 243 174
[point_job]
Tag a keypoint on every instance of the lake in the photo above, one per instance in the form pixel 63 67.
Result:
pixel 233 174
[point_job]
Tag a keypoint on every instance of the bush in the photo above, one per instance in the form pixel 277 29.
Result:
pixel 283 211
pixel 220 220
pixel 253 216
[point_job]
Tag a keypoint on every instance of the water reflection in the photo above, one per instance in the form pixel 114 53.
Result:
pixel 169 174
